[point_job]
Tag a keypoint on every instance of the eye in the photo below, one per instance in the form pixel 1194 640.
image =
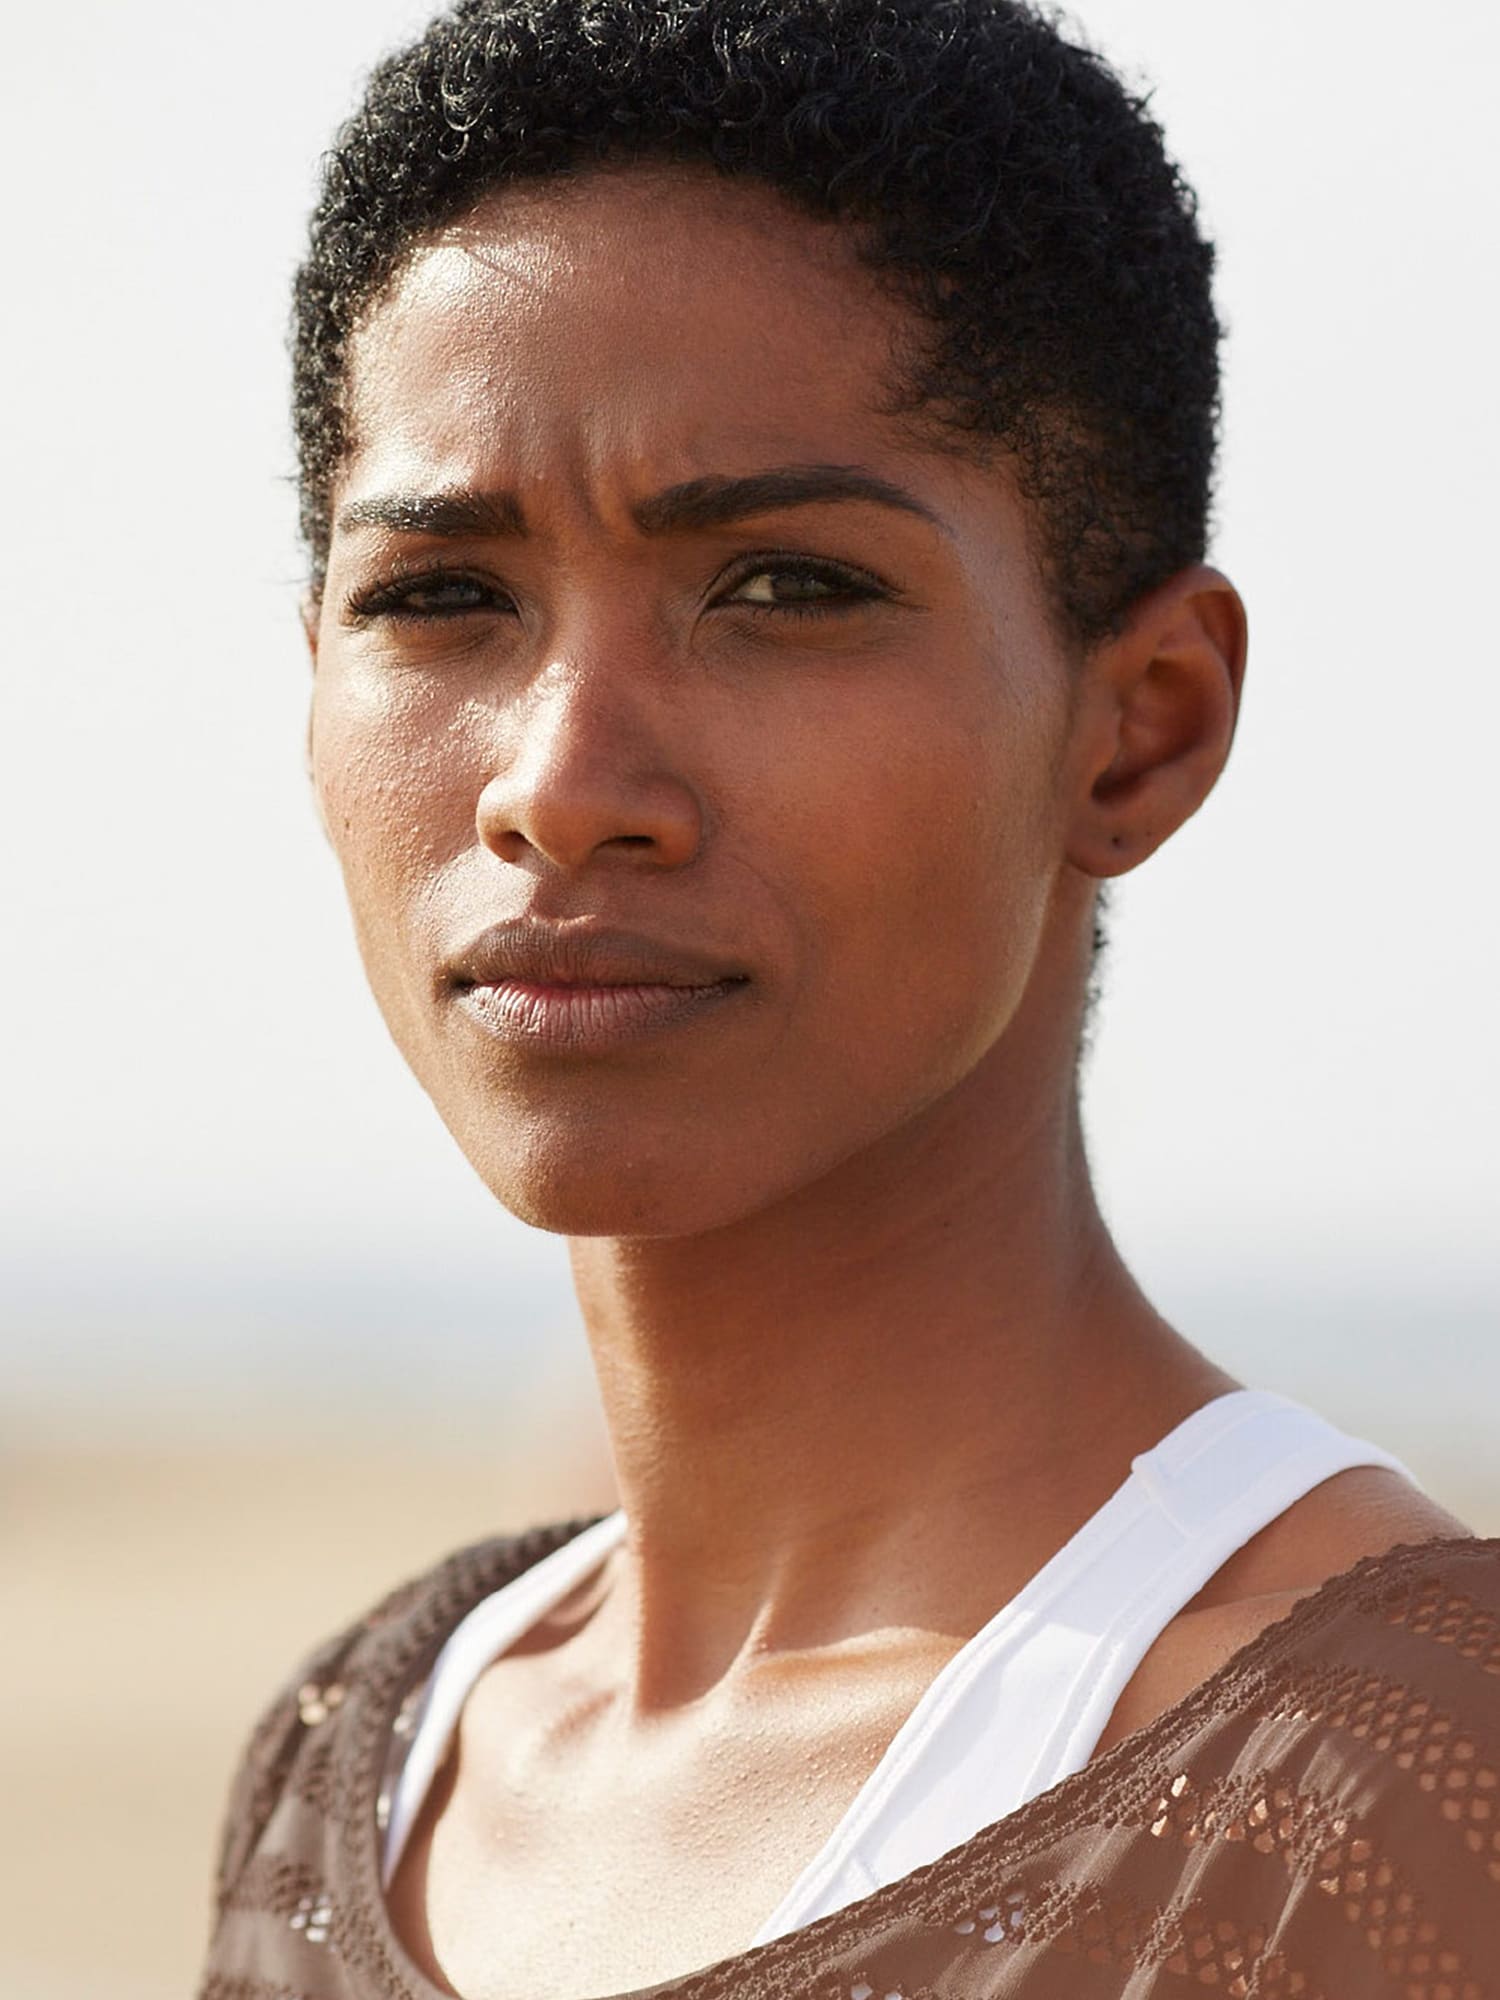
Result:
pixel 801 584
pixel 435 594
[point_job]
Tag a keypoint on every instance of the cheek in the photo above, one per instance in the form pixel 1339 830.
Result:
pixel 391 779
pixel 926 845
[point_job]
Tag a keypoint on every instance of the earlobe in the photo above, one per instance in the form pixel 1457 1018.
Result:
pixel 1156 720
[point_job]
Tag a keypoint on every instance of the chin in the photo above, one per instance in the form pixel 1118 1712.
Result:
pixel 650 1177
pixel 660 1164
pixel 622 1199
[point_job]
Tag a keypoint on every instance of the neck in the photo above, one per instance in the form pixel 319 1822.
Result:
pixel 883 1402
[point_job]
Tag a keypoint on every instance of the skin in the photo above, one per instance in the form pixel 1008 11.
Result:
pixel 867 1354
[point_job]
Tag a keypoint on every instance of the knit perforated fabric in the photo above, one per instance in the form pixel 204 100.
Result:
pixel 1318 1821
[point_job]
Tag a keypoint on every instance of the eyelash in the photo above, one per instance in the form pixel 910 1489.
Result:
pixel 848 586
pixel 392 596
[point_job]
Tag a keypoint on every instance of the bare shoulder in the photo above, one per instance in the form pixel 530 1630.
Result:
pixel 1362 1512
pixel 1359 1513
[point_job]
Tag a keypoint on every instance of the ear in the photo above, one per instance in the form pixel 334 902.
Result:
pixel 1155 719
pixel 308 611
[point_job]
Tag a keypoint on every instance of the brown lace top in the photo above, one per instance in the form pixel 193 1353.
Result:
pixel 1319 1821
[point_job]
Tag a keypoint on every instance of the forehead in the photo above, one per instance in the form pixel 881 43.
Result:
pixel 658 318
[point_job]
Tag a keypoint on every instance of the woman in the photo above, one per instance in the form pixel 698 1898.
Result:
pixel 755 465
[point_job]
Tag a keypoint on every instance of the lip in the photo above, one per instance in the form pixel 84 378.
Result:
pixel 584 990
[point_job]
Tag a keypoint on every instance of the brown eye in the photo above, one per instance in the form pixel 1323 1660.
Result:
pixel 774 586
pixel 437 600
pixel 801 586
pixel 414 598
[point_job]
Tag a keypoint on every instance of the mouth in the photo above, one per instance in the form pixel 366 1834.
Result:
pixel 582 990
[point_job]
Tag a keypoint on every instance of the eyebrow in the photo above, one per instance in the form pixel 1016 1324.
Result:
pixel 714 501
pixel 448 514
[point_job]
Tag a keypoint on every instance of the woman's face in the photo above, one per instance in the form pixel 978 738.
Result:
pixel 690 733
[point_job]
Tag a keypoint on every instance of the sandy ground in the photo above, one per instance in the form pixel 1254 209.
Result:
pixel 149 1604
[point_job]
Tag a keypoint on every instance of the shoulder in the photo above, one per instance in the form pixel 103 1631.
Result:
pixel 1321 1816
pixel 1376 1704
pixel 1353 1749
pixel 1428 1611
pixel 1360 1513
pixel 1334 1788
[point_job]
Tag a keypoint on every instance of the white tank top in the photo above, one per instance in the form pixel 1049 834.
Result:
pixel 1023 1703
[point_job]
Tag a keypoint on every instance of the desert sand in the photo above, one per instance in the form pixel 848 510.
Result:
pixel 150 1602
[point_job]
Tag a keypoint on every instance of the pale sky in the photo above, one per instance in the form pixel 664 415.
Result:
pixel 1296 1061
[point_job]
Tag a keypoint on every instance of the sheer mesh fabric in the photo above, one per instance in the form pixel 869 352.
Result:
pixel 1319 1821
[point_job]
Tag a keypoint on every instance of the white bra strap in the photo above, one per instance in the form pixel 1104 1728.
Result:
pixel 1023 1703
pixel 1208 1488
pixel 494 1624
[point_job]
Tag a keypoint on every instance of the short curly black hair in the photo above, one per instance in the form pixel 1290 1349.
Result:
pixel 995 174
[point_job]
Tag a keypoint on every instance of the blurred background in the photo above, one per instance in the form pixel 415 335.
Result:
pixel 267 1346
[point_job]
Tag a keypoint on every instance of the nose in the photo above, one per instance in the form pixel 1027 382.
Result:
pixel 583 778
